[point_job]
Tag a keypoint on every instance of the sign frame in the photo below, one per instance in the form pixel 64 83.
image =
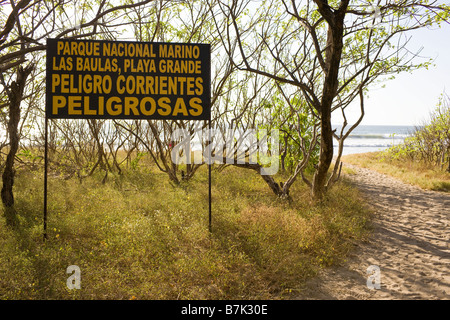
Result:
pixel 160 80
pixel 133 81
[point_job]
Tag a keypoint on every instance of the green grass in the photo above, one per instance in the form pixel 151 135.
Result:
pixel 139 237
pixel 416 173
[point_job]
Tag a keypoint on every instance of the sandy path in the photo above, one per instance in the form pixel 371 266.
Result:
pixel 410 244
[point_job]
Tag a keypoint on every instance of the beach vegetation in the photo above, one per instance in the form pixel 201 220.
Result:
pixel 423 159
pixel 429 142
pixel 139 236
pixel 134 221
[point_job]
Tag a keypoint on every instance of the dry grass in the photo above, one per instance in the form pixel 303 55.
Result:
pixel 138 236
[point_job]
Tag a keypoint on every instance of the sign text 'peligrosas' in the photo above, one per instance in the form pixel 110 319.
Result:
pixel 127 80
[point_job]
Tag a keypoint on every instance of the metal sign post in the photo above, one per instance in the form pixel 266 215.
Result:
pixel 45 176
pixel 209 176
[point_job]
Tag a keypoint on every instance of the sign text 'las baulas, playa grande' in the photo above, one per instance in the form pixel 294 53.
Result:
pixel 127 80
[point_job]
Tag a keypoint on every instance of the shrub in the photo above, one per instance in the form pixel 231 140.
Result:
pixel 430 142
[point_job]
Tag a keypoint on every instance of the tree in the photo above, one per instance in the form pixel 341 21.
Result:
pixel 299 131
pixel 15 93
pixel 183 22
pixel 429 142
pixel 331 51
pixel 25 26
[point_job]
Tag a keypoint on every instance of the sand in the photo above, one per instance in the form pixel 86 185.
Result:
pixel 409 243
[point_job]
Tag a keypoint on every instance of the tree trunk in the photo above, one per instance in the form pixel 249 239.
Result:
pixel 284 154
pixel 325 158
pixel 15 95
pixel 448 158
pixel 333 56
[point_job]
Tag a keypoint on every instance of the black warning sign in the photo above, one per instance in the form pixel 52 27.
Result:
pixel 127 80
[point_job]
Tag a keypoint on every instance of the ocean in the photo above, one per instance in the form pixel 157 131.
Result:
pixel 370 138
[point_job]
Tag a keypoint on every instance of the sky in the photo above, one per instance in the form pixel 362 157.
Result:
pixel 410 97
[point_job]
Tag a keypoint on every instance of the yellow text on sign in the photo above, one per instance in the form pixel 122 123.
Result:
pixel 128 106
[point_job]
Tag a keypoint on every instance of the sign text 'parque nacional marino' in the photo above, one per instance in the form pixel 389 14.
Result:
pixel 89 79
